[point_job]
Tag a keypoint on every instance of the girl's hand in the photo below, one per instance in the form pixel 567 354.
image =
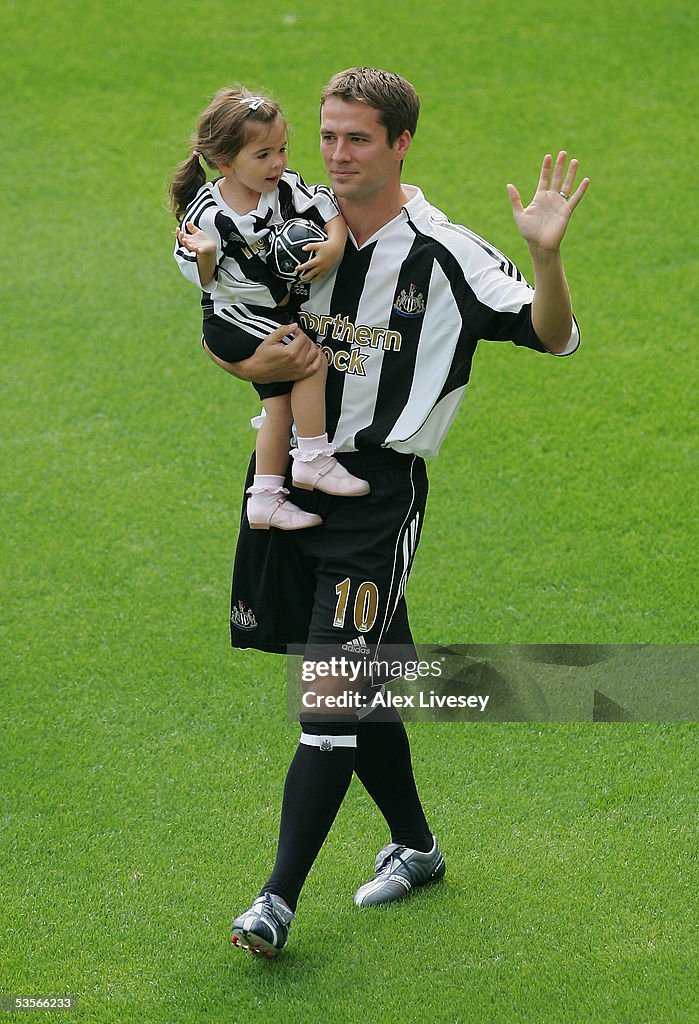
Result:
pixel 196 240
pixel 327 254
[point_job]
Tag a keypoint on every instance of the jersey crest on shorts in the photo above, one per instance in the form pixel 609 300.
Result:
pixel 242 617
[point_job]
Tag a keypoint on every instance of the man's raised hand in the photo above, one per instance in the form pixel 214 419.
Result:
pixel 543 223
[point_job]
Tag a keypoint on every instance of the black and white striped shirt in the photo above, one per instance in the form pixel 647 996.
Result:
pixel 242 277
pixel 399 321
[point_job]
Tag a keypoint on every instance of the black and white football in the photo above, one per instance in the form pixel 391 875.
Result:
pixel 285 244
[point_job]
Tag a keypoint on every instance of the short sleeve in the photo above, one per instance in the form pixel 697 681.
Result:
pixel 309 199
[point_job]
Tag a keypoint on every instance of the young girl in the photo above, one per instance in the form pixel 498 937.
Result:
pixel 221 248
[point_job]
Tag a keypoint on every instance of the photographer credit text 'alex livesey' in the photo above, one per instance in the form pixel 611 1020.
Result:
pixel 500 682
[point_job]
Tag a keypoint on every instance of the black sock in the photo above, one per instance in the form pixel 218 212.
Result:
pixel 384 767
pixel 315 787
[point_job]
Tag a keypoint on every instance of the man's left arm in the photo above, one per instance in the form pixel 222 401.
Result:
pixel 543 224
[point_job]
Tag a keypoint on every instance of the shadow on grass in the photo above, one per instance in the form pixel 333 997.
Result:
pixel 335 960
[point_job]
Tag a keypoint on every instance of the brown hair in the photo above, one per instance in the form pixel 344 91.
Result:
pixel 395 99
pixel 222 131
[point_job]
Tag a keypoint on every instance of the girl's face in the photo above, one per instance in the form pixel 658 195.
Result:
pixel 260 163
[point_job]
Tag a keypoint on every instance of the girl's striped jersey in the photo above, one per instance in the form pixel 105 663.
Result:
pixel 399 321
pixel 242 276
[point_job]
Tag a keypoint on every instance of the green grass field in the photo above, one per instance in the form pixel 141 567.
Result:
pixel 142 760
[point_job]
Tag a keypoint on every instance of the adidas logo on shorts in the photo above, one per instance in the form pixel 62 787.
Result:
pixel 357 646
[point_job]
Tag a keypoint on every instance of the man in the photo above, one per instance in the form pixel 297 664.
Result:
pixel 398 321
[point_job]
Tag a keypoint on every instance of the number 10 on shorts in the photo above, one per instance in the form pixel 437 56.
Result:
pixel 366 605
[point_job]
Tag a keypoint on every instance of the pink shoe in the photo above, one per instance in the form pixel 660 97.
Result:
pixel 324 473
pixel 272 509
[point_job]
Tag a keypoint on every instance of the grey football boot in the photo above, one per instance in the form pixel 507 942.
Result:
pixel 399 870
pixel 264 928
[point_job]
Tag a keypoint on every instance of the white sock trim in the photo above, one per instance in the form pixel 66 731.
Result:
pixel 327 743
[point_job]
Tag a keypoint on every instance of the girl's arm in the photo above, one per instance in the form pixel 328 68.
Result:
pixel 204 246
pixel 327 254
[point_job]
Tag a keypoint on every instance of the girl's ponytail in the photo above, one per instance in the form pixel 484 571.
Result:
pixel 189 178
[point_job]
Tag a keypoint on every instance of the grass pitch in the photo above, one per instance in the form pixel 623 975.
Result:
pixel 141 759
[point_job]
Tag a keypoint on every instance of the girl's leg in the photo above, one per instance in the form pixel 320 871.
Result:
pixel 314 465
pixel 308 403
pixel 274 436
pixel 267 505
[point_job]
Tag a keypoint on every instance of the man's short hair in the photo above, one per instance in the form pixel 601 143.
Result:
pixel 395 99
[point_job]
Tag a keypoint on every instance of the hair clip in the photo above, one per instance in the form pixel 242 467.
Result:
pixel 252 102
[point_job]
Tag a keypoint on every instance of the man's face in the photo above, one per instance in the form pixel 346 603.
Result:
pixel 354 145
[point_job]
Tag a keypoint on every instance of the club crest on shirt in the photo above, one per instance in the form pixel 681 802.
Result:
pixel 242 617
pixel 410 303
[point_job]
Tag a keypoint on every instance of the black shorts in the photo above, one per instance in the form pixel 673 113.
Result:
pixel 340 583
pixel 227 343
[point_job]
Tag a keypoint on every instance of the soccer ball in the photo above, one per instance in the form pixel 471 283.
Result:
pixel 285 244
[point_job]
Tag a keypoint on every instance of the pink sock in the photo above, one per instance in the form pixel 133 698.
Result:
pixel 310 448
pixel 313 443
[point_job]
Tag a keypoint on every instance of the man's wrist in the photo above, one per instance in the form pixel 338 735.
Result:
pixel 544 257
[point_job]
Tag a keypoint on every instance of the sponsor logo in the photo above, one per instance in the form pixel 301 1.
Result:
pixel 346 362
pixel 340 328
pixel 360 339
pixel 237 247
pixel 410 303
pixel 253 249
pixel 357 646
pixel 242 617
